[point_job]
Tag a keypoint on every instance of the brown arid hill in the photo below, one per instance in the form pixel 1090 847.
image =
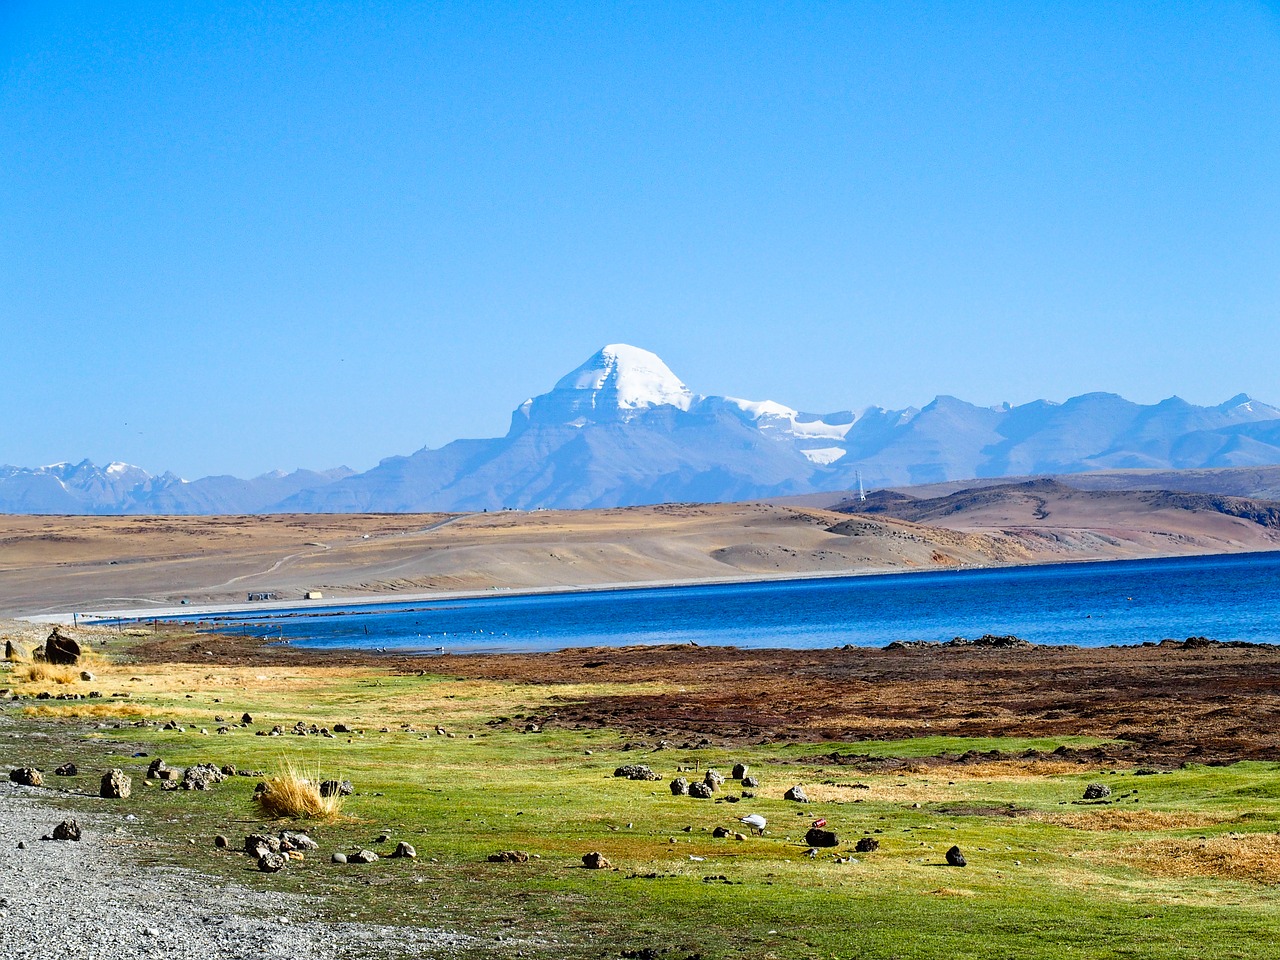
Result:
pixel 1047 508
pixel 96 564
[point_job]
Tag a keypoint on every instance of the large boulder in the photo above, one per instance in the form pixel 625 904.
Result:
pixel 797 794
pixel 61 649
pixel 679 787
pixel 739 771
pixel 27 776
pixel 955 858
pixel 700 791
pixel 1096 791
pixel 116 785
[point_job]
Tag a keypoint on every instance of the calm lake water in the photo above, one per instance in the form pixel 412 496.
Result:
pixel 1091 604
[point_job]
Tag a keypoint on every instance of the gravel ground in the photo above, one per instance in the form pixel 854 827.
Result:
pixel 92 899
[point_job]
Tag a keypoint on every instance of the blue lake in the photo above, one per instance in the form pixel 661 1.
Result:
pixel 1091 604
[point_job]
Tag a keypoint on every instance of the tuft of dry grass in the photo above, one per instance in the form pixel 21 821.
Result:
pixel 48 673
pixel 289 795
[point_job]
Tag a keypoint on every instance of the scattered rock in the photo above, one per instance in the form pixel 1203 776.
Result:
pixel 67 830
pixel 201 777
pixel 115 785
pixel 750 782
pixel 338 858
pixel 291 841
pixel 336 788
pixel 713 779
pixel 1096 791
pixel 220 842
pixel 721 832
pixel 269 862
pixel 636 771
pixel 382 838
pixel 363 856
pixel 700 791
pixel 867 845
pixel 67 770
pixel 509 856
pixel 817 837
pixel 404 849
pixel 341 728
pixel 87 677
pixel 596 861
pixel 155 768
pixel 256 844
pixel 679 787
pixel 246 719
pixel 27 776
pixel 228 769
pixel 797 794
pixel 740 770
pixel 955 858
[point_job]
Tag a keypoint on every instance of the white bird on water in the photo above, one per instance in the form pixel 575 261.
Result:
pixel 756 822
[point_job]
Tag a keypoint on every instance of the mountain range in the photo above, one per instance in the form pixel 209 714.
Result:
pixel 622 429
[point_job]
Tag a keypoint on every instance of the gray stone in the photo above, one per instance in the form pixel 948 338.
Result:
pixel 680 787
pixel 404 849
pixel 1096 791
pixel 336 788
pixel 739 771
pixel 269 862
pixel 67 770
pixel 338 858
pixel 955 858
pixel 155 768
pixel 363 856
pixel 713 779
pixel 750 782
pixel 256 844
pixel 596 861
pixel 220 842
pixel 867 845
pixel 67 830
pixel 201 777
pixel 797 794
pixel 290 840
pixel 700 791
pixel 115 785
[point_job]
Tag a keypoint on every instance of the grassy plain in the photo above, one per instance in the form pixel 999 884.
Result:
pixel 1177 862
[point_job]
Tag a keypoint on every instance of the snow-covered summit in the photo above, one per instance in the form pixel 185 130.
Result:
pixel 618 382
pixel 627 377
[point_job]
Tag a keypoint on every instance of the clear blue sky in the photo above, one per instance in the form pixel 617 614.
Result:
pixel 235 237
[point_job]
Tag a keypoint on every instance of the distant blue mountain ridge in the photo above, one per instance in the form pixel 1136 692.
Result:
pixel 622 429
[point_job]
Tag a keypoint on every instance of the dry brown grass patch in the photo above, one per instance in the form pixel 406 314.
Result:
pixel 1131 820
pixel 1250 857
pixel 48 673
pixel 290 795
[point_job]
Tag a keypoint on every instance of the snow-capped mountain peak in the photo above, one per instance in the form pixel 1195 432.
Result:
pixel 616 383
pixel 629 378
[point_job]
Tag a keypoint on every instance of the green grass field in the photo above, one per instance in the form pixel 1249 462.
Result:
pixel 1180 863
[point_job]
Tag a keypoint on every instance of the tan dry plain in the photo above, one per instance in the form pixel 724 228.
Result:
pixel 95 564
